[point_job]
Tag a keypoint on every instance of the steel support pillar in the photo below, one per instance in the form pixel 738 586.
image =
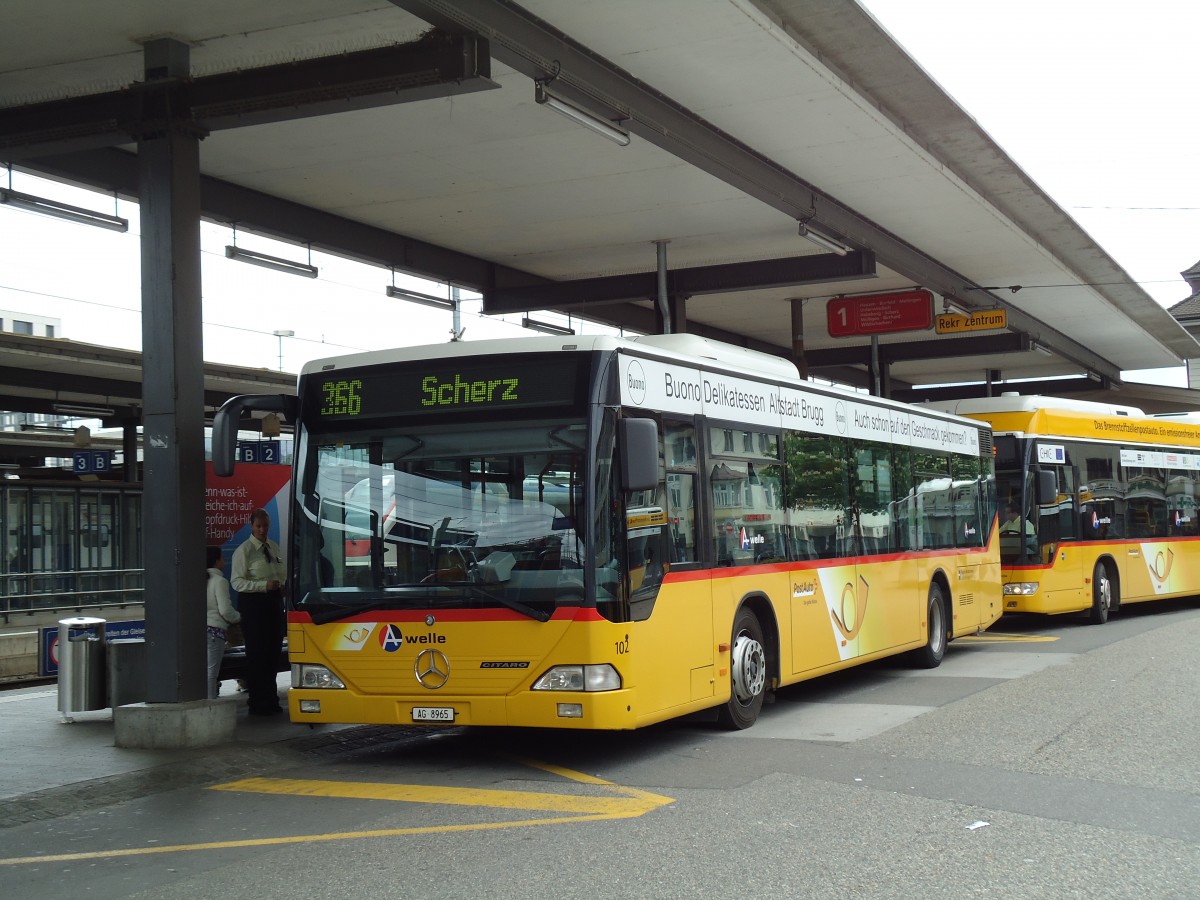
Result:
pixel 173 389
pixel 677 304
pixel 798 355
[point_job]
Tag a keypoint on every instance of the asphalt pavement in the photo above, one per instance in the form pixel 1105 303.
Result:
pixel 52 767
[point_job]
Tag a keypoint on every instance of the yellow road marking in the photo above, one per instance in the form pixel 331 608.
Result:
pixel 995 637
pixel 655 800
pixel 294 839
pixel 418 793
pixel 632 803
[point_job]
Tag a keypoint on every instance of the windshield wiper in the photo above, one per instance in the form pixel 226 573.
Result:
pixel 514 605
pixel 331 610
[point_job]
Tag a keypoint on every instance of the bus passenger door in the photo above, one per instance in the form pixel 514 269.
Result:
pixel 1058 533
pixel 670 594
pixel 972 605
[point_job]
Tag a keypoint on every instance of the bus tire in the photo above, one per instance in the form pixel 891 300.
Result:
pixel 747 673
pixel 1102 595
pixel 930 656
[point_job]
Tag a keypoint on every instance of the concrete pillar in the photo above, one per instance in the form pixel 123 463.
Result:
pixel 173 383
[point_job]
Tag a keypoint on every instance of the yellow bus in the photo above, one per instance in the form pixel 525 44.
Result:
pixel 1098 503
pixel 605 533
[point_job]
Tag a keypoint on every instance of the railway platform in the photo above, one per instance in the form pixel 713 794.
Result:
pixel 54 768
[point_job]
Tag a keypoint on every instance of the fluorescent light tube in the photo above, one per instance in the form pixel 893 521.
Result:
pixel 73 409
pixel 821 241
pixel 546 327
pixel 279 264
pixel 417 297
pixel 601 126
pixel 62 210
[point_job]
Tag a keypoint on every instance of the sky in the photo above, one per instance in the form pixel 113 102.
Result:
pixel 1091 98
pixel 1095 100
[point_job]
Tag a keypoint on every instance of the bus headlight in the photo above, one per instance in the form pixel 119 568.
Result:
pixel 1023 588
pixel 309 675
pixel 579 678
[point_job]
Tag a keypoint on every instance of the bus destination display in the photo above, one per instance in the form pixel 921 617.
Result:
pixel 441 387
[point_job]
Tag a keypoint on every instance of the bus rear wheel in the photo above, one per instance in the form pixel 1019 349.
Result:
pixel 747 673
pixel 930 656
pixel 1102 595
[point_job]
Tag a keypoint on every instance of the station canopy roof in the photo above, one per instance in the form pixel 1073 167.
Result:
pixel 409 134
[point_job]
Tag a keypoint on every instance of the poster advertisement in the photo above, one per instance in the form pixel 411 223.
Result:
pixel 228 503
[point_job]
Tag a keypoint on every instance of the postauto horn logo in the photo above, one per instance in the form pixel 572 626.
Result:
pixel 353 637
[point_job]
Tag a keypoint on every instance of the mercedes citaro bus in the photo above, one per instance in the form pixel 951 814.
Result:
pixel 604 533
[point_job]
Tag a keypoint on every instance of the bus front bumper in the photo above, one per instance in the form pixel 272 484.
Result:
pixel 608 710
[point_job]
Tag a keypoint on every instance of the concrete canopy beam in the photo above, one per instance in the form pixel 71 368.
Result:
pixel 533 47
pixel 438 65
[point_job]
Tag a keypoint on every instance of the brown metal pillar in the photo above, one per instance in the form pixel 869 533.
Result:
pixel 880 371
pixel 678 307
pixel 798 337
pixel 173 383
pixel 130 469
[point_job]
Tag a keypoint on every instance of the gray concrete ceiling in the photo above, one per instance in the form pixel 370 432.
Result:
pixel 746 116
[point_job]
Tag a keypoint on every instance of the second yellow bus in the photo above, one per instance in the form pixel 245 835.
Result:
pixel 1097 503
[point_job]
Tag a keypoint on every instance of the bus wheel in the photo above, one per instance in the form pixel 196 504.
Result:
pixel 930 656
pixel 748 673
pixel 1102 595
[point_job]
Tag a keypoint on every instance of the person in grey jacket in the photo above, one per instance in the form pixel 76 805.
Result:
pixel 221 615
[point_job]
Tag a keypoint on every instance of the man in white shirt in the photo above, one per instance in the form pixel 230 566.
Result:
pixel 258 574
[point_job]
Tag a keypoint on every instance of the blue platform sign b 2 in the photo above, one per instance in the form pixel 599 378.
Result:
pixel 258 452
pixel 86 462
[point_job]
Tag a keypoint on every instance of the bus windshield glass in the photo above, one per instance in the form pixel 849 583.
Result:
pixel 441 517
pixel 1021 530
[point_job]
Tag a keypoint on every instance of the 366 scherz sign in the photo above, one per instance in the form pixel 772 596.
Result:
pixel 880 313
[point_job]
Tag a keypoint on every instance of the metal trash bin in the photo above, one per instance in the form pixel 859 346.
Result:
pixel 81 664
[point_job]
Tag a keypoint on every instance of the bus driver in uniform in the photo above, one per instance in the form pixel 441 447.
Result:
pixel 258 574
pixel 1017 526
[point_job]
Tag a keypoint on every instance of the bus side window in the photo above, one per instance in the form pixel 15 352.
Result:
pixel 679 446
pixel 681 510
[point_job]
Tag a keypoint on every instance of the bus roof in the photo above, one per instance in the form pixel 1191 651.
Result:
pixel 1059 417
pixel 1012 402
pixel 702 349
pixel 688 349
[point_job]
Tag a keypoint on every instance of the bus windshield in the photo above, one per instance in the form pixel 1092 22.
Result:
pixel 437 517
pixel 1020 534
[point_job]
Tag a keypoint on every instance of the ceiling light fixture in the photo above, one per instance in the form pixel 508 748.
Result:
pixel 82 409
pixel 821 240
pixel 577 114
pixel 546 327
pixel 399 293
pixel 953 307
pixel 62 210
pixel 279 264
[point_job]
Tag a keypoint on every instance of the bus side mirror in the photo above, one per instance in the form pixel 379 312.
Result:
pixel 1047 488
pixel 639 454
pixel 228 418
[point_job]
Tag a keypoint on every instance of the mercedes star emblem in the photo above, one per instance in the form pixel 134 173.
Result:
pixel 432 669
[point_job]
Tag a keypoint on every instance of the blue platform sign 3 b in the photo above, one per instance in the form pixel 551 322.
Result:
pixel 86 462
